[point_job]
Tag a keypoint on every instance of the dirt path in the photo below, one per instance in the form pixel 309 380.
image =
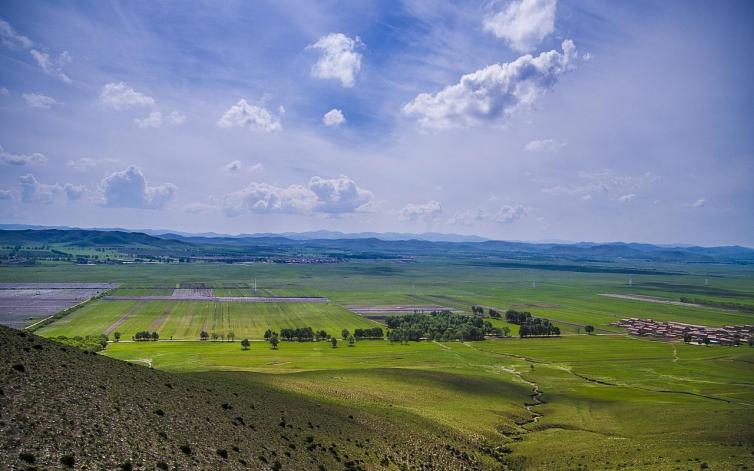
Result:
pixel 675 354
pixel 123 319
pixel 157 322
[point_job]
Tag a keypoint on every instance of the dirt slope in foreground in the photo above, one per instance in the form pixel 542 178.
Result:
pixel 61 408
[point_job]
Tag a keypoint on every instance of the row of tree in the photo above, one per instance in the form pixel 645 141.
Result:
pixel 145 335
pixel 204 335
pixel 517 317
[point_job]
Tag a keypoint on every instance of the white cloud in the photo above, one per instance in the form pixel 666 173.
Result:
pixel 544 145
pixel 339 59
pixel 11 38
pixel 523 24
pixel 256 118
pixel 339 195
pixel 627 198
pixel 256 168
pixel 700 203
pixel 86 163
pixel 428 211
pixel 334 196
pixel 493 93
pixel 156 119
pixel 198 208
pixel 129 189
pixel 334 117
pixel 52 67
pixel 266 198
pixel 37 100
pixel 13 159
pixel 508 214
pixel 34 191
pixel 233 167
pixel 120 96
pixel 6 195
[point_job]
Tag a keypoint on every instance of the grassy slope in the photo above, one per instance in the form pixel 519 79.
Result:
pixel 106 412
pixel 609 400
pixel 186 319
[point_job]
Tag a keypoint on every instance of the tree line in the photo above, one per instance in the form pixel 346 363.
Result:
pixel 438 325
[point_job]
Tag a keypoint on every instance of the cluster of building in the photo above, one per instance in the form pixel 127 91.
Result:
pixel 728 335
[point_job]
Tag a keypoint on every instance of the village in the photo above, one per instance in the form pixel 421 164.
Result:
pixel 727 335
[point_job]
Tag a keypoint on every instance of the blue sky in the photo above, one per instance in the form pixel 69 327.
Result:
pixel 527 120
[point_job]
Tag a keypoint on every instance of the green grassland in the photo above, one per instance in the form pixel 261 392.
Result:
pixel 186 319
pixel 609 401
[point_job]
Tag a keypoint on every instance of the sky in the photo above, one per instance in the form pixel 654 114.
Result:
pixel 513 120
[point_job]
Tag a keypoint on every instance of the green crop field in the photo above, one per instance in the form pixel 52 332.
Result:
pixel 609 401
pixel 186 319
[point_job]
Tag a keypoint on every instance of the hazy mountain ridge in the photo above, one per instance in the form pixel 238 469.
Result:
pixel 346 247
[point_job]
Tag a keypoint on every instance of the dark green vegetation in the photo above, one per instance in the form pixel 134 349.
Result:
pixel 568 401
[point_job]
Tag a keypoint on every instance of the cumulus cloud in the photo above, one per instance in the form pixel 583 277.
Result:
pixel 199 208
pixel 266 198
pixel 12 38
pixel 244 115
pixel 52 67
pixel 544 145
pixel 120 96
pixel 156 119
pixel 334 196
pixel 37 100
pixel 34 191
pixel 334 117
pixel 700 203
pixel 627 198
pixel 6 195
pixel 13 159
pixel 427 212
pixel 508 214
pixel 129 189
pixel 523 24
pixel 339 59
pixel 493 93
pixel 467 218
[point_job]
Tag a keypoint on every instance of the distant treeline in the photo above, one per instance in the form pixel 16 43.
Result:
pixel 89 343
pixel 442 326
pixel 722 304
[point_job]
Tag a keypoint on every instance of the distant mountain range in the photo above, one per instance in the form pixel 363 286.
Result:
pixel 372 245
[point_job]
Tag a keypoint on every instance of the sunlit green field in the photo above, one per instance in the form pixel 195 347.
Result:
pixel 187 319
pixel 609 401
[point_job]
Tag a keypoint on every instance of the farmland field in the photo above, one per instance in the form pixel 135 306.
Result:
pixel 186 319
pixel 578 401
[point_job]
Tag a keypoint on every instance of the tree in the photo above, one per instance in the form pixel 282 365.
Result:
pixel 231 336
pixel 116 336
pixel 204 335
pixel 687 337
pixel 344 334
pixel 155 336
pixel 589 329
pixel 214 336
pixel 245 344
pixel 351 340
pixel 751 341
pixel 506 331
pixel 267 334
pixel 334 342
pixel 274 341
pixel 221 337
